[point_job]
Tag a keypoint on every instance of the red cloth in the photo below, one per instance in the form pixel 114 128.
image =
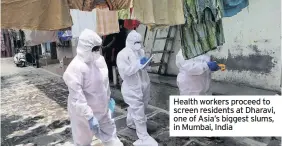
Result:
pixel 131 24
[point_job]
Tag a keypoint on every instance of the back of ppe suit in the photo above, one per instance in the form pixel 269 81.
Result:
pixel 89 93
pixel 194 76
pixel 135 87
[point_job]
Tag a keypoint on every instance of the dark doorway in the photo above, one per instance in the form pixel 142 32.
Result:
pixel 113 44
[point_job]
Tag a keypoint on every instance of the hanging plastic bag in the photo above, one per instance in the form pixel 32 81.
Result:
pixel 65 35
pixel 112 105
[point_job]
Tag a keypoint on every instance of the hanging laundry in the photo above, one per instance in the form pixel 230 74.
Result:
pixel 131 24
pixel 6 49
pixel 82 20
pixel 233 7
pixel 3 45
pixel 203 30
pixel 99 2
pixel 119 4
pixel 124 14
pixel 159 12
pixel 35 14
pixel 83 5
pixel 33 38
pixel 202 5
pixel 107 21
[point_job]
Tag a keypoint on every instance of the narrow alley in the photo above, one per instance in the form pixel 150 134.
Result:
pixel 34 112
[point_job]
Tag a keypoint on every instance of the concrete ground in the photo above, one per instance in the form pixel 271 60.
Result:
pixel 33 112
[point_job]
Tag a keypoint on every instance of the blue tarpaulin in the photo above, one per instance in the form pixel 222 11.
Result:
pixel 233 7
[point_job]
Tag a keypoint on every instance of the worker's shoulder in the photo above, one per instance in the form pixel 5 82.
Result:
pixel 77 65
pixel 124 52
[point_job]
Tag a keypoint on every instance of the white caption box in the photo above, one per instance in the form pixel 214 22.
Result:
pixel 216 119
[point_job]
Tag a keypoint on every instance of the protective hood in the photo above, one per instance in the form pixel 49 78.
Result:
pixel 87 40
pixel 132 38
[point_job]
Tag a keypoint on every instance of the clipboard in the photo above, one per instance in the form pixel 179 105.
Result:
pixel 149 60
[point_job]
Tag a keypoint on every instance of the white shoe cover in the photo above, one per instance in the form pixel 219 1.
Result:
pixel 132 126
pixel 147 141
pixel 114 142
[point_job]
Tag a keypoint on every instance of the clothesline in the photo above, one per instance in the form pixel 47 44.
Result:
pixel 200 20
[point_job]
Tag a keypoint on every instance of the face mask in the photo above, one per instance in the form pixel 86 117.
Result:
pixel 95 55
pixel 137 46
pixel 88 57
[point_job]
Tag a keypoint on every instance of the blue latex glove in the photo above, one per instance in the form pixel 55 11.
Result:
pixel 94 125
pixel 143 60
pixel 213 66
pixel 112 104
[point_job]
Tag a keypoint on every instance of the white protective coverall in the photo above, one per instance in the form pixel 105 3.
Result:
pixel 194 76
pixel 89 93
pixel 135 88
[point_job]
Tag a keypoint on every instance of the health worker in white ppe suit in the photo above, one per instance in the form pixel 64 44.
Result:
pixel 89 94
pixel 135 87
pixel 194 76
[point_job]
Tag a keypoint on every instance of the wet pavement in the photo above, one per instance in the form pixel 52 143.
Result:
pixel 34 112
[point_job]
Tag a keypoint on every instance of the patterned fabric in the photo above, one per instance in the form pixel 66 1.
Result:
pixel 201 34
pixel 119 4
pixel 124 14
pixel 201 5
pixel 107 21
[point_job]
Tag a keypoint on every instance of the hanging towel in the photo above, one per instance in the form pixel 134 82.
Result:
pixel 159 12
pixel 33 38
pixel 107 21
pixel 82 20
pixel 233 7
